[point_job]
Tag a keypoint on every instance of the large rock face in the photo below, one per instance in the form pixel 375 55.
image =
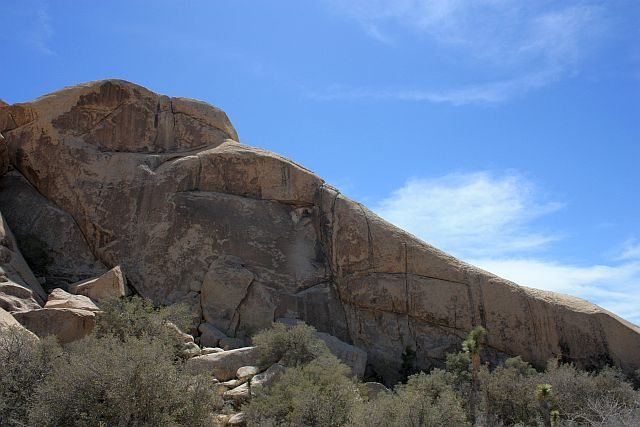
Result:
pixel 161 187
pixel 19 288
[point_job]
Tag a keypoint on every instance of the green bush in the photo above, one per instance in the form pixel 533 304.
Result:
pixel 291 345
pixel 130 382
pixel 426 400
pixel 138 317
pixel 580 396
pixel 24 364
pixel 319 393
pixel 508 394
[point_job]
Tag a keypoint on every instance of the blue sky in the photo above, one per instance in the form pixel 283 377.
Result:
pixel 505 132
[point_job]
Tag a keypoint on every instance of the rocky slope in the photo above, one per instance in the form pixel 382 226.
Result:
pixel 109 173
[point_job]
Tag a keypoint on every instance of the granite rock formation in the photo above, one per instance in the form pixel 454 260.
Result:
pixel 162 187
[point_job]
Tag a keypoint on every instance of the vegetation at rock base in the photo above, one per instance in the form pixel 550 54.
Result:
pixel 318 393
pixel 129 373
pixel 125 374
pixel 291 345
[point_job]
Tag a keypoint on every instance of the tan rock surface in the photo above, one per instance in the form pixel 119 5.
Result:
pixel 210 335
pixel 159 186
pixel 224 366
pixel 110 285
pixel 58 298
pixel 49 238
pixel 67 324
pixel 8 321
pixel 350 355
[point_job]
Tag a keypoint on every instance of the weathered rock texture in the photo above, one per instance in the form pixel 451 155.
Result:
pixel 19 288
pixel 66 324
pixel 160 186
pixel 8 321
pixel 110 285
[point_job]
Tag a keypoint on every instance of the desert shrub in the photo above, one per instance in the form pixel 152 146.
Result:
pixel 425 400
pixel 508 394
pixel 122 382
pixel 291 345
pixel 524 368
pixel 318 393
pixel 459 365
pixel 24 364
pixel 138 317
pixel 578 394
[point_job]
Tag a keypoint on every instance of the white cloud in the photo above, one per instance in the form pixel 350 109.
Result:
pixel 476 214
pixel 42 32
pixel 631 250
pixel 528 44
pixel 489 220
pixel 614 287
pixel 484 93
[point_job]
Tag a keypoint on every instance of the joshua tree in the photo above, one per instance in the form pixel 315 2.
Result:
pixel 543 394
pixel 472 345
pixel 555 416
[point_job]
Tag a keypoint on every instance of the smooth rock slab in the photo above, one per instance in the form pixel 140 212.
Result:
pixel 8 321
pixel 247 372
pixel 110 285
pixel 210 335
pixel 350 355
pixel 59 298
pixel 67 324
pixel 224 366
pixel 238 395
pixel 238 419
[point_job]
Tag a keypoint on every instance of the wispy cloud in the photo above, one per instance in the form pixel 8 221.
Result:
pixel 528 44
pixel 614 287
pixel 483 93
pixel 490 220
pixel 32 25
pixel 42 31
pixel 477 214
pixel 631 250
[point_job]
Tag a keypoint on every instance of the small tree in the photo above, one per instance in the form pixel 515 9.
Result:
pixel 473 345
pixel 543 394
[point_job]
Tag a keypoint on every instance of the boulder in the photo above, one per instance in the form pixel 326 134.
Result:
pixel 224 366
pixel 229 343
pixel 246 372
pixel 210 350
pixel 210 335
pixel 153 182
pixel 239 419
pixel 59 298
pixel 66 324
pixel 237 395
pixel 267 378
pixel 189 350
pixel 14 297
pixel 8 321
pixel 49 237
pixel 350 355
pixel 110 285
